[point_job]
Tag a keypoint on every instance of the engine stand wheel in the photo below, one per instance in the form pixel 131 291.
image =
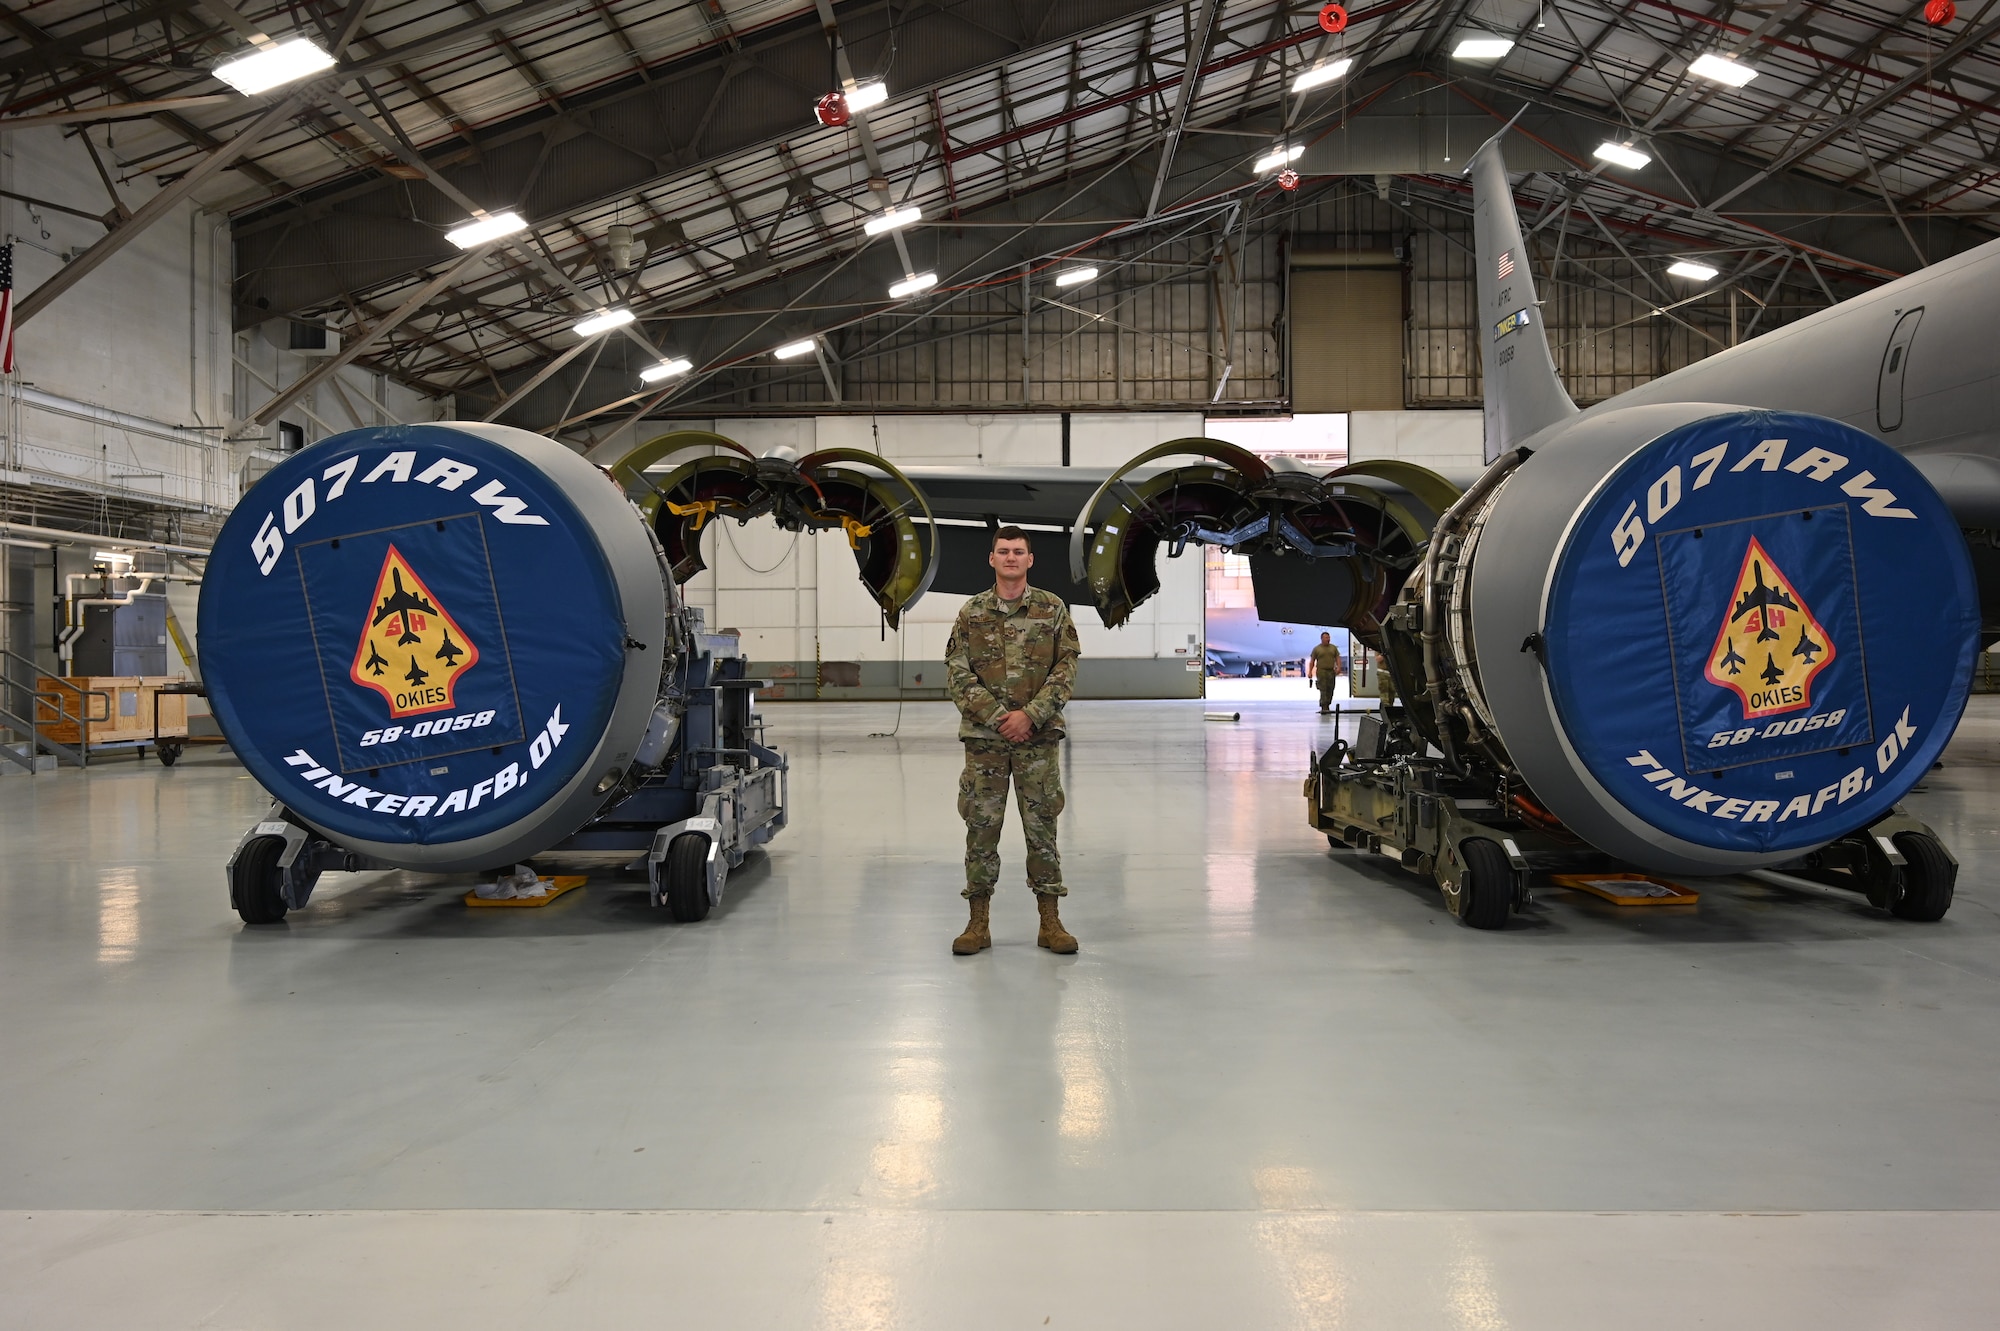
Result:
pixel 256 883
pixel 685 871
pixel 168 752
pixel 1929 878
pixel 1486 890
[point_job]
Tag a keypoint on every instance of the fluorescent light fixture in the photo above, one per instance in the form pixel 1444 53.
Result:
pixel 112 556
pixel 1076 277
pixel 666 369
pixel 866 95
pixel 1700 272
pixel 479 230
pixel 1320 75
pixel 1482 48
pixel 1621 154
pixel 912 284
pixel 894 219
pixel 1721 69
pixel 793 350
pixel 1283 155
pixel 273 66
pixel 604 322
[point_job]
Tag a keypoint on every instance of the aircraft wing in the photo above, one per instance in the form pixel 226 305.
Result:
pixel 968 502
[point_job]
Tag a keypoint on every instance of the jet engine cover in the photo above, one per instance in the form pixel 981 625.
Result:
pixel 435 643
pixel 1756 631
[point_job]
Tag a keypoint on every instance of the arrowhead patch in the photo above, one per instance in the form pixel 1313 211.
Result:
pixel 1770 645
pixel 412 651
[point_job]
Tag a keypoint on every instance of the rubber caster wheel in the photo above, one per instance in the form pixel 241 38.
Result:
pixel 686 870
pixel 1929 878
pixel 256 883
pixel 1487 889
pixel 169 754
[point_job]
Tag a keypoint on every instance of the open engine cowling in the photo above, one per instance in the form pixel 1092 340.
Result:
pixel 1324 549
pixel 1705 638
pixel 885 516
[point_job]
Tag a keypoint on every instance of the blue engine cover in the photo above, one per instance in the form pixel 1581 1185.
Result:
pixel 1760 631
pixel 411 636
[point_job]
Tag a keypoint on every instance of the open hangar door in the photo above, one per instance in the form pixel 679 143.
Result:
pixel 1240 641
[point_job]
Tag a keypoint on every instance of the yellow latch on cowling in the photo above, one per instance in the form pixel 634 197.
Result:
pixel 856 530
pixel 701 510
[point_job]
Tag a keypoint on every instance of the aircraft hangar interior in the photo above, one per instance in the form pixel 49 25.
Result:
pixel 1073 663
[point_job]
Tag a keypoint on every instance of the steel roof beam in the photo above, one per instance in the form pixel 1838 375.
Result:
pixel 168 199
pixel 766 100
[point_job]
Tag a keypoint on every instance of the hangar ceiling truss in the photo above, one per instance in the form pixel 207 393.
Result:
pixel 1031 135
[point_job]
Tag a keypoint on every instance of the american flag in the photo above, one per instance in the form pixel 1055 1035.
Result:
pixel 1506 263
pixel 6 309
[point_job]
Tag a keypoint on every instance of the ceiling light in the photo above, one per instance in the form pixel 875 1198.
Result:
pixel 273 65
pixel 912 284
pixel 1721 69
pixel 1283 155
pixel 666 369
pixel 482 229
pixel 1700 272
pixel 793 350
pixel 604 322
pixel 112 556
pixel 1482 48
pixel 892 220
pixel 1076 277
pixel 1621 154
pixel 1320 75
pixel 867 95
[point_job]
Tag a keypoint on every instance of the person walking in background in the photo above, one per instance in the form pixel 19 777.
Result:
pixel 1011 665
pixel 1324 665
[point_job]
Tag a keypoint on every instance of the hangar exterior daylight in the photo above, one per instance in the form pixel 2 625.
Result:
pixel 1074 664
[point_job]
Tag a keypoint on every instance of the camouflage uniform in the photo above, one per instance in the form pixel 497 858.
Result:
pixel 1326 672
pixel 1001 661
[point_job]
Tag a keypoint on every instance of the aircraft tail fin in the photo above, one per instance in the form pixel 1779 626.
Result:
pixel 1523 393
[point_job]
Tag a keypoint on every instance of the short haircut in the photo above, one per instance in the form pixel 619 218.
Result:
pixel 1012 534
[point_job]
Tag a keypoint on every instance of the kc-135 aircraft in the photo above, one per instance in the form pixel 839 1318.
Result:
pixel 1558 629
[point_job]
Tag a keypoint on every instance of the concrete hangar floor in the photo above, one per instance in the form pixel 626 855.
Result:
pixel 1278 1087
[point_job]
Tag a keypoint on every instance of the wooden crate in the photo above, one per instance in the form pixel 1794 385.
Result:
pixel 128 698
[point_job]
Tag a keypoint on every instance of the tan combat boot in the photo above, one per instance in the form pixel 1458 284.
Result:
pixel 977 937
pixel 1053 936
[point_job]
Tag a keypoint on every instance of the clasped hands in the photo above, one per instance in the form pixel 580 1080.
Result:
pixel 1015 727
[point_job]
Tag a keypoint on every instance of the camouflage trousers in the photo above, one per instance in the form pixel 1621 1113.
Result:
pixel 1035 770
pixel 1327 684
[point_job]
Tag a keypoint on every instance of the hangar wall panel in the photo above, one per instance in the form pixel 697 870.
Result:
pixel 116 421
pixel 1347 337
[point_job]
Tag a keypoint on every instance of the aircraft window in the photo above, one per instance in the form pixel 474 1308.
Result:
pixel 1895 359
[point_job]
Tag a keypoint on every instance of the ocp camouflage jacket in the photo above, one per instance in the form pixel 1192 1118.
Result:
pixel 999 662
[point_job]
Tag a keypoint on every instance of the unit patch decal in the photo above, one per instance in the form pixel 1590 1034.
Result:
pixel 1769 646
pixel 412 651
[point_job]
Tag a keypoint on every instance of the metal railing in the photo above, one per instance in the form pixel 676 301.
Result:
pixel 47 693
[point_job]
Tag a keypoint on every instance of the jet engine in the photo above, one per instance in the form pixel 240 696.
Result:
pixel 453 647
pixel 1704 639
pixel 1691 638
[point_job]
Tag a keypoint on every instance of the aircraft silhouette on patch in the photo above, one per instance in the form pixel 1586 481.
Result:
pixel 1732 661
pixel 1760 597
pixel 407 618
pixel 400 602
pixel 1761 603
